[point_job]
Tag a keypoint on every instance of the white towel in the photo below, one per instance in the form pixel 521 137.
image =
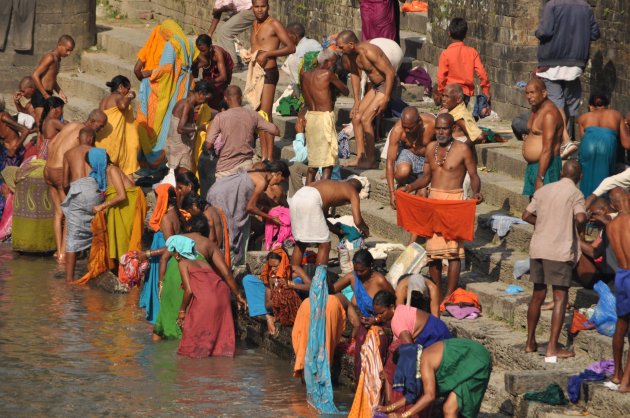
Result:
pixel 365 186
pixel 308 223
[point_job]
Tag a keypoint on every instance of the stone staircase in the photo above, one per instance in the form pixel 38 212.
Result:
pixel 490 259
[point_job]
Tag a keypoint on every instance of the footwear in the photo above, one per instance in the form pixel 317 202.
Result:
pixel 567 149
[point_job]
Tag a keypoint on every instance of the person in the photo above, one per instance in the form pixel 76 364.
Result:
pixel 418 291
pixel 364 56
pixel 216 67
pixel 459 63
pixel 406 149
pixel 84 195
pixel 309 208
pixel 13 136
pixel 7 192
pixel 556 210
pixel 321 131
pixel 446 184
pixel 65 140
pixel 303 45
pixel 240 20
pixel 465 129
pixel 456 368
pixel 541 147
pixel 621 180
pixel 380 19
pixel 565 32
pixel 602 131
pixel 205 313
pixel 236 126
pixel 120 136
pixel 186 183
pixel 164 70
pixel 617 232
pixel 26 89
pixel 45 75
pixel 237 196
pixel 52 124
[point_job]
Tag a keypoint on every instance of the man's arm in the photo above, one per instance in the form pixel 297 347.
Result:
pixel 42 67
pixel 624 132
pixel 442 72
pixel 484 81
pixel 618 180
pixel 220 59
pixel 213 132
pixel 283 36
pixel 595 34
pixel 471 168
pixel 548 132
pixel 428 388
pixel 355 79
pixel 544 32
pixel 339 85
pixel 423 181
pixel 266 126
pixel 184 127
pixel 390 164
pixel 66 173
pixel 529 215
pixel 355 202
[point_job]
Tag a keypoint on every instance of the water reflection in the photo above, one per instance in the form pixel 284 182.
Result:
pixel 70 351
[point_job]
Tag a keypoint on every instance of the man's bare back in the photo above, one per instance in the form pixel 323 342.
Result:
pixel 75 166
pixel 334 193
pixel 8 133
pixel 316 88
pixel 65 140
pixel 51 127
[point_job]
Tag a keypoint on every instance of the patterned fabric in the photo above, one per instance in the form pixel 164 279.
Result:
pixel 131 270
pixel 369 386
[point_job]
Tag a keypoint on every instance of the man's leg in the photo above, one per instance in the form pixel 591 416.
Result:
pixel 454 268
pixel 357 125
pixel 533 315
pixel 617 344
pixel 402 173
pixel 367 120
pixel 71 261
pixel 323 252
pixel 435 271
pixel 310 176
pixel 57 223
pixel 228 30
pixel 296 259
pixel 450 407
pixel 560 297
pixel 326 172
pixel 297 172
pixel 572 96
pixel 555 92
pixel 266 104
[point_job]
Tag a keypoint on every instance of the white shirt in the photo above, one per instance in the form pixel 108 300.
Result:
pixel 292 63
pixel 561 73
pixel 622 180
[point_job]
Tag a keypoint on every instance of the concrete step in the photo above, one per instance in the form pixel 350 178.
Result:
pixel 411 43
pixel 107 65
pixel 88 87
pixel 503 158
pixel 121 42
pixel 414 22
pixel 77 109
pixel 503 192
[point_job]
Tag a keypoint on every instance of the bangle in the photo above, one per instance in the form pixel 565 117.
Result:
pixel 182 311
pixel 406 414
pixel 148 253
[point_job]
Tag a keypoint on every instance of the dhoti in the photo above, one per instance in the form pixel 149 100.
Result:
pixel 437 246
pixel 77 207
pixel 622 292
pixel 308 222
pixel 321 139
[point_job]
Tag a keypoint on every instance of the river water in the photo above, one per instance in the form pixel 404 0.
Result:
pixel 75 351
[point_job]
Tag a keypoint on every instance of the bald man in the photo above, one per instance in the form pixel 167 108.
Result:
pixel 465 128
pixel 556 210
pixel 541 147
pixel 65 140
pixel 26 88
pixel 406 149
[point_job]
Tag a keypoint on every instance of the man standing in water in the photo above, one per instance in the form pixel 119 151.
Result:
pixel 267 35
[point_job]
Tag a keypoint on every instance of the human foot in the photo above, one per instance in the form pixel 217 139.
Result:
pixel 624 389
pixel 561 353
pixel 352 163
pixel 531 347
pixel 366 164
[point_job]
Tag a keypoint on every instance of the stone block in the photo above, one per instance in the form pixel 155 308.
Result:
pixel 520 382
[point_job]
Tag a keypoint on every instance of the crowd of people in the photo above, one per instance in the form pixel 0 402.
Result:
pixel 72 187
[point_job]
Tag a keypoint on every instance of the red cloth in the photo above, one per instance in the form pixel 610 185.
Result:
pixel 379 19
pixel 453 219
pixel 461 297
pixel 458 65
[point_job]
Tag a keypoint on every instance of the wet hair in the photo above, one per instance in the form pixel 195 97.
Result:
pixel 458 28
pixel 119 80
pixel 203 87
pixel 172 197
pixel 273 167
pixel 363 257
pixel 384 298
pixel 203 40
pixel 87 133
pixel 348 36
pixel 199 224
pixel 273 256
pixel 297 28
pixel 187 202
pixel 199 201
pixel 66 38
pixel 189 179
pixel 598 100
pixel 53 102
pixel 325 55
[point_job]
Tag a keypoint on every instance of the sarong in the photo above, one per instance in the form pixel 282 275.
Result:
pixel 335 325
pixel 231 195
pixel 125 221
pixel 622 292
pixel 531 174
pixel 149 299
pixel 406 156
pixel 33 229
pixel 597 156
pixel 99 261
pixel 6 220
pixel 7 161
pixel 465 369
pixel 438 246
pixel 405 374
pixel 179 147
pixel 208 326
pixel 308 222
pixel 321 138
pixel 380 19
pixel 255 295
pixel 120 139
pixel 77 208
pixel 319 391
pixel 369 384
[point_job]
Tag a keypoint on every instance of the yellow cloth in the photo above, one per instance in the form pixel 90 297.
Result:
pixel 461 112
pixel 321 139
pixel 152 50
pixel 255 82
pixel 369 386
pixel 125 221
pixel 204 119
pixel 120 139
pixel 437 246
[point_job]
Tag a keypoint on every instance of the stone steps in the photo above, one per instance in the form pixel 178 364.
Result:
pixel 107 65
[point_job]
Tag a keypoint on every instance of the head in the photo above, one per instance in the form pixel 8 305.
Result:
pixel 234 96
pixel 452 96
pixel 274 259
pixel 458 28
pixel 572 170
pixel 202 92
pixel 347 41
pixel 363 264
pixel 618 199
pixel 204 43
pixel 444 128
pixel 276 171
pixel 87 136
pixel 55 107
pixel 384 304
pixel 172 197
pixel 296 32
pixel 26 87
pixel 327 59
pixel 600 207
pixel 536 92
pixel 437 96
pixel 65 45
pixel 119 84
pixel 598 101
pixel 186 183
pixel 199 224
pixel 410 120
pixel 260 9
pixel 97 119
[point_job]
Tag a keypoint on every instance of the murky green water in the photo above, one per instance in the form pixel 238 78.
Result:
pixel 75 351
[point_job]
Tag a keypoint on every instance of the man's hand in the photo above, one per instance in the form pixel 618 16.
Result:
pixel 63 97
pixel 241 302
pixel 478 197
pixel 355 109
pixel 365 230
pixel 539 183
pixel 392 199
pixel 300 125
pixel 17 96
pixel 381 108
pixel 262 57
pixel 276 221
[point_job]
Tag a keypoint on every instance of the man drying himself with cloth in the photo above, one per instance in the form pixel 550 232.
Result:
pixel 446 165
pixel 309 208
pixel 86 192
pixel 321 132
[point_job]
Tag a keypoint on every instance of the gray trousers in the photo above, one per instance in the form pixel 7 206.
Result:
pixel 229 29
pixel 566 95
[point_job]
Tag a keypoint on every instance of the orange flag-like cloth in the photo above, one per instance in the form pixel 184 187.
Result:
pixel 99 261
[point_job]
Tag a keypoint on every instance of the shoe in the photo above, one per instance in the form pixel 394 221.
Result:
pixel 567 149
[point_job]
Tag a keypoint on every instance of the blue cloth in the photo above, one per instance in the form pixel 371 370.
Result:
pixel 350 233
pixel 319 389
pixel 513 289
pixel 434 331
pixel 405 380
pixel 255 295
pixel 416 161
pixel 348 292
pixel 551 175
pixel 299 148
pixel 97 158
pixel 622 292
pixel 481 102
pixel 149 297
pixel 575 383
pixel 363 299
pixel 183 245
pixel 597 155
pixel 501 224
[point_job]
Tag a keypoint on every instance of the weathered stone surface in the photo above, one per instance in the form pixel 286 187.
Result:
pixel 520 382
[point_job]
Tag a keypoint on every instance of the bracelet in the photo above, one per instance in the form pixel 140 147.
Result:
pixel 406 414
pixel 182 311
pixel 148 253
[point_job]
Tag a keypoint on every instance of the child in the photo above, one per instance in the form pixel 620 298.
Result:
pixel 51 125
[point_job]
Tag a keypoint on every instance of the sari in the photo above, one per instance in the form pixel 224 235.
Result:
pixel 120 139
pixel 99 261
pixel 169 82
pixel 125 221
pixel 149 297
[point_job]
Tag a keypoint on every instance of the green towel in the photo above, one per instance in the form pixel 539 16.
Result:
pixel 553 395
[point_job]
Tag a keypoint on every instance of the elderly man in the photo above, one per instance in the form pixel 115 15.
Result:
pixel 241 20
pixel 26 112
pixel 465 129
pixel 303 45
pixel 556 210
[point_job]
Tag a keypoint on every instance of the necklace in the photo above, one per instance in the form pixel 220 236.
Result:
pixel 257 25
pixel 435 154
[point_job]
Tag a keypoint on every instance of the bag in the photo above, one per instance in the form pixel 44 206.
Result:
pixel 605 317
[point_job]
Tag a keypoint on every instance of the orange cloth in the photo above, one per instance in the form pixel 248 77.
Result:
pixel 458 65
pixel 580 322
pixel 415 7
pixel 99 254
pixel 160 206
pixel 151 52
pixel 283 271
pixel 461 297
pixel 369 387
pixel 226 237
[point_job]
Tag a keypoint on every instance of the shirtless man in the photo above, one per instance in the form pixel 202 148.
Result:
pixel 267 35
pixel 321 130
pixel 12 134
pixel 619 236
pixel 407 148
pixel 541 147
pixel 26 89
pixel 363 56
pixel 309 210
pixel 45 75
pixel 465 128
pixel 448 163
pixel 65 140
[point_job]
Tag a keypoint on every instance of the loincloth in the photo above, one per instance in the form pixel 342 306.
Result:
pixel 272 76
pixel 321 139
pixel 437 246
